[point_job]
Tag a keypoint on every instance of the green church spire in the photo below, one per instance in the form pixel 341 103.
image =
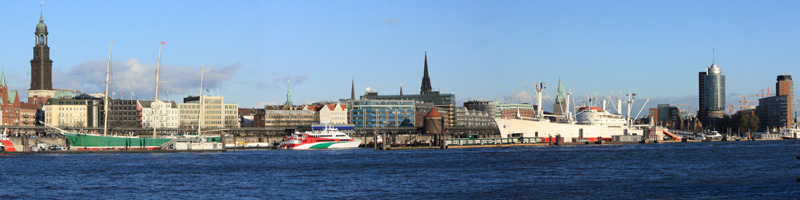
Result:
pixel 3 79
pixel 288 94
pixel 560 90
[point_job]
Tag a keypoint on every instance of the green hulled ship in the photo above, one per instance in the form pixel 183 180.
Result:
pixel 99 142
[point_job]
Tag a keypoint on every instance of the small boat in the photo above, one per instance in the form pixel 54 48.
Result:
pixel 5 144
pixel 789 133
pixel 328 138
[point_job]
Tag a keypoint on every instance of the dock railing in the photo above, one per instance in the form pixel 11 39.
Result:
pixel 493 141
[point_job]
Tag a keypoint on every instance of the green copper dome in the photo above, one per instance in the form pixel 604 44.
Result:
pixel 41 27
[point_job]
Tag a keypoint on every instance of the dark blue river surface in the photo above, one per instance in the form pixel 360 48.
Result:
pixel 708 170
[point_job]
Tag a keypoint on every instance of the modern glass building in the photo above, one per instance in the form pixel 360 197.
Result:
pixel 712 96
pixel 383 113
pixel 444 103
pixel 715 89
pixel 776 111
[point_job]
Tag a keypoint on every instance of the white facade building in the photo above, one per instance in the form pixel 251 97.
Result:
pixel 333 114
pixel 216 113
pixel 167 117
pixel 65 113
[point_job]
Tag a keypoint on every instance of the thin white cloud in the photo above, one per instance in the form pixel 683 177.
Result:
pixel 133 76
pixel 266 103
pixel 389 21
pixel 280 81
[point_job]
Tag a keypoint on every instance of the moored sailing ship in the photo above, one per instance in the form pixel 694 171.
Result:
pixel 95 141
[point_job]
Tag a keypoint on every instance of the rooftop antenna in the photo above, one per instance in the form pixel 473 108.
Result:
pixel 713 56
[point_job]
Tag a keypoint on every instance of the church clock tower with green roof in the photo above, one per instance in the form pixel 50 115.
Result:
pixel 41 67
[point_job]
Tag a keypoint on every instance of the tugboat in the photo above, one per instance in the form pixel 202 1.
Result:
pixel 328 138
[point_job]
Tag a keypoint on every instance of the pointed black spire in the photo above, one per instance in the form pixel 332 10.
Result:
pixel 426 81
pixel 352 98
pixel 352 90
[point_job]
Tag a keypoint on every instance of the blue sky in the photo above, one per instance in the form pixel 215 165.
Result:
pixel 476 49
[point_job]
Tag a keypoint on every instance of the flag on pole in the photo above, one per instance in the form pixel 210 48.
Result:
pixel 162 42
pixel 167 91
pixel 123 92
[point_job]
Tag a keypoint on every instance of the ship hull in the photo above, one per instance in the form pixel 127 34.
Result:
pixel 7 146
pixel 324 145
pixel 97 142
pixel 545 130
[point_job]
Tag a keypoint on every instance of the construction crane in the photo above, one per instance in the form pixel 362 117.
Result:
pixel 731 108
pixel 744 100
pixel 681 107
pixel 767 94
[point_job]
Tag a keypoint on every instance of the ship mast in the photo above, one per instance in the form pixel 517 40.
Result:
pixel 202 107
pixel 105 95
pixel 539 112
pixel 568 113
pixel 630 103
pixel 155 94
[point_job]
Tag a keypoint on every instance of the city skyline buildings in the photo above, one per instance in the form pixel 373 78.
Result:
pixel 503 45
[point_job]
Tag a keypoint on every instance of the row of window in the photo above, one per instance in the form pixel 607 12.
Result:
pixel 209 112
pixel 72 109
pixel 72 114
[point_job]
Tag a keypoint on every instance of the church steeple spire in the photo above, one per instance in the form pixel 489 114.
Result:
pixel 288 94
pixel 426 81
pixel 3 79
pixel 41 11
pixel 41 28
pixel 352 98
pixel 352 90
pixel 559 91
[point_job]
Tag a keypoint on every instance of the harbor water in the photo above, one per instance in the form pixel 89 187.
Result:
pixel 717 170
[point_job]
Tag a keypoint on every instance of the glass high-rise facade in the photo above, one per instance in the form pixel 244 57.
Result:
pixel 715 91
pixel 712 96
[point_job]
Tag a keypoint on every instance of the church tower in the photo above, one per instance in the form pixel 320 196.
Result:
pixel 41 65
pixel 426 81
